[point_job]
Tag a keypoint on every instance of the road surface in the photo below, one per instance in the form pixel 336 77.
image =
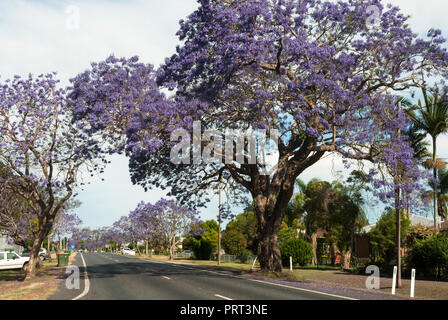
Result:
pixel 111 276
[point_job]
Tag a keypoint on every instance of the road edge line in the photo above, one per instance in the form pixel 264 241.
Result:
pixel 86 281
pixel 302 289
pixel 222 297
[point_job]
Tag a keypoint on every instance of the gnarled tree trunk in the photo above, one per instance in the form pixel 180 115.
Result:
pixel 34 262
pixel 268 251
pixel 346 257
pixel 314 244
pixel 270 216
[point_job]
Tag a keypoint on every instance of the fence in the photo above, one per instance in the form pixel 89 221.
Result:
pixel 233 258
pixel 183 255
pixel 249 259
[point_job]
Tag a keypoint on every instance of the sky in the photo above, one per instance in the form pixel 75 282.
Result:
pixel 41 36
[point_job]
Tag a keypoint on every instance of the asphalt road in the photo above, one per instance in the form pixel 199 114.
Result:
pixel 112 276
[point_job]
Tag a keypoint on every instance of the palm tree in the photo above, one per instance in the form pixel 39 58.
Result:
pixel 432 118
pixel 442 194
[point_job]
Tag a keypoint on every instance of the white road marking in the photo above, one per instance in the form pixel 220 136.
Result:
pixel 86 281
pixel 166 277
pixel 267 282
pixel 301 289
pixel 222 297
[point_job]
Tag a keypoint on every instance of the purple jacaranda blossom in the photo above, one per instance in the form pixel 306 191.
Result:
pixel 315 71
pixel 41 157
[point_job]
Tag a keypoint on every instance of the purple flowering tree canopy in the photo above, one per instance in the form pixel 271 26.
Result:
pixel 314 71
pixel 42 154
pixel 165 222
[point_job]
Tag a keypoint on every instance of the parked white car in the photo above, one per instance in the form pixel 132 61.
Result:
pixel 128 251
pixel 43 254
pixel 11 260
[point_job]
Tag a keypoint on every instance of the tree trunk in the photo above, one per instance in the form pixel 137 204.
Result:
pixel 30 270
pixel 146 247
pixel 138 249
pixel 171 253
pixel 48 248
pixel 269 223
pixel 333 253
pixel 314 244
pixel 269 252
pixel 346 257
pixel 434 159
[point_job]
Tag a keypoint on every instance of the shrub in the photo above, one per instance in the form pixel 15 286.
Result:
pixel 202 249
pixel 285 235
pixel 430 256
pixel 244 255
pixel 300 250
pixel 234 242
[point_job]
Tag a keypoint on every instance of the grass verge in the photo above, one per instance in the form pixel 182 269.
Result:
pixel 45 284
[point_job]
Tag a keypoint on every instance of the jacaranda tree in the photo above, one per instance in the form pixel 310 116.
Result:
pixel 43 155
pixel 320 74
pixel 144 220
pixel 167 221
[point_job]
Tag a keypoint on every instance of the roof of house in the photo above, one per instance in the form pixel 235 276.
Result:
pixel 415 220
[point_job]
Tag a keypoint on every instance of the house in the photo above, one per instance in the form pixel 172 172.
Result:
pixel 362 247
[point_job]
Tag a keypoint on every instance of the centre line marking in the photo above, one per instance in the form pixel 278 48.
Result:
pixel 222 297
pixel 166 277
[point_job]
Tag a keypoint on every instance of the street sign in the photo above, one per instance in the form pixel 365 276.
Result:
pixel 73 247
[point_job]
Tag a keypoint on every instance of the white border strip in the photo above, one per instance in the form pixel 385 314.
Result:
pixel 222 297
pixel 301 289
pixel 86 281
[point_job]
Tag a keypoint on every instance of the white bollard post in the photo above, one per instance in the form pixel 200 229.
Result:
pixel 394 279
pixel 253 264
pixel 290 263
pixel 412 283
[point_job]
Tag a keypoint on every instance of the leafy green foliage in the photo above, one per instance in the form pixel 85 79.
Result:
pixel 430 256
pixel 245 224
pixel 300 251
pixel 234 242
pixel 204 244
pixel 285 235
pixel 382 237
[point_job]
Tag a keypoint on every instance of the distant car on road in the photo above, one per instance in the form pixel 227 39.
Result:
pixel 11 260
pixel 43 254
pixel 128 251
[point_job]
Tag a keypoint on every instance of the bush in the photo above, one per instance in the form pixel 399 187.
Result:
pixel 300 250
pixel 202 249
pixel 285 235
pixel 430 256
pixel 244 255
pixel 234 242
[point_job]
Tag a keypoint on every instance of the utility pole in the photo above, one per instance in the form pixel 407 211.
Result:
pixel 219 223
pixel 398 227
pixel 398 222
